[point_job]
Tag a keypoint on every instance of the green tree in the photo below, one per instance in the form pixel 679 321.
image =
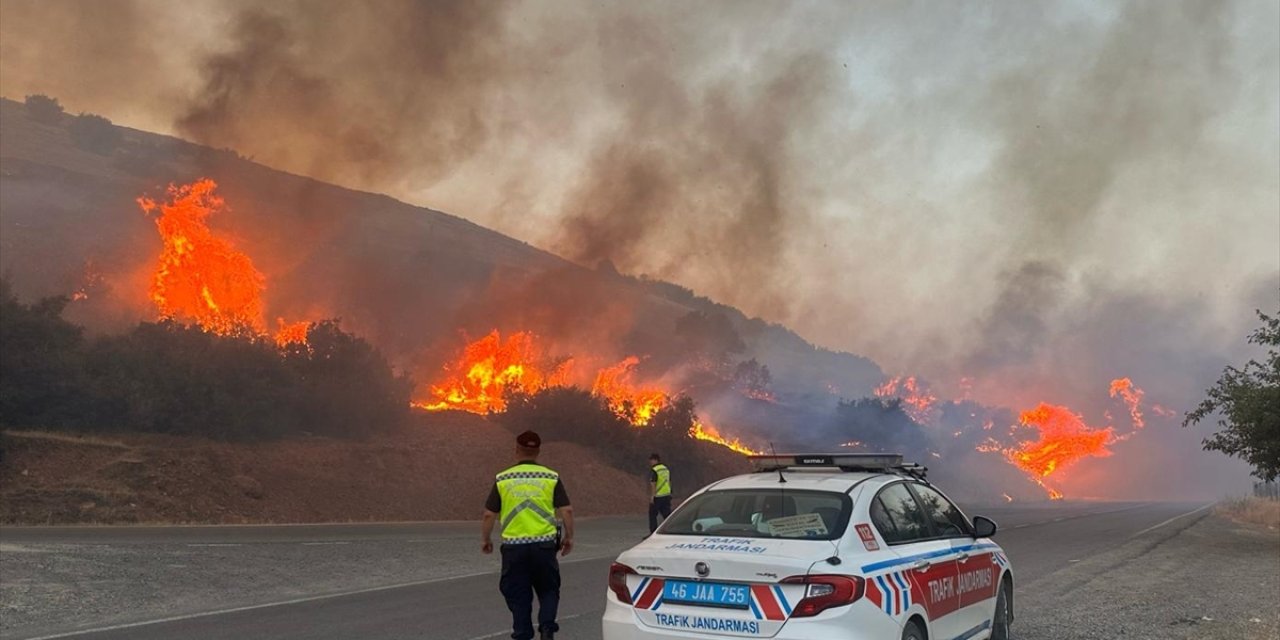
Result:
pixel 1248 403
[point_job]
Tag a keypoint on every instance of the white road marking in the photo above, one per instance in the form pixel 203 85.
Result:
pixel 500 634
pixel 213 544
pixel 1079 515
pixel 268 605
pixel 320 544
pixel 1183 515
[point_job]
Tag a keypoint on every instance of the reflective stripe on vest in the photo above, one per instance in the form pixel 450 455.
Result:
pixel 528 504
pixel 664 480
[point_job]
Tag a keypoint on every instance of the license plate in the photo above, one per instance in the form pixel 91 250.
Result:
pixel 707 594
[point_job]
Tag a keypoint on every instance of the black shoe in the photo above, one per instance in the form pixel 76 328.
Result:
pixel 547 635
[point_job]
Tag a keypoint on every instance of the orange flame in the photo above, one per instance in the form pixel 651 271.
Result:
pixel 704 431
pixel 1132 395
pixel 917 400
pixel 1064 439
pixel 489 369
pixel 295 333
pixel 637 405
pixel 200 276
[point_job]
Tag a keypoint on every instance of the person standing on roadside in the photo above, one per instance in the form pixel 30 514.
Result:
pixel 526 499
pixel 659 491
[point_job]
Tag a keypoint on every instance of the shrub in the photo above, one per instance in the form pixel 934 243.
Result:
pixel 170 378
pixel 95 134
pixel 571 414
pixel 43 109
pixel 40 365
pixel 346 385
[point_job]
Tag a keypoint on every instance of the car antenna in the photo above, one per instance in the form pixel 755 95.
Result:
pixel 781 478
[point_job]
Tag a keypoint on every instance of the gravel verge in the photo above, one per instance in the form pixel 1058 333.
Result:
pixel 1203 577
pixel 58 587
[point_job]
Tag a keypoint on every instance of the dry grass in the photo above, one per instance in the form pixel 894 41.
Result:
pixel 1257 511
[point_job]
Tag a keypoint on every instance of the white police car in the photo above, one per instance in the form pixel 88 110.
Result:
pixel 811 547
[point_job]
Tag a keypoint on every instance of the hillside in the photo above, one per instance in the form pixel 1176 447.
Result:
pixel 429 291
pixel 438 469
pixel 412 280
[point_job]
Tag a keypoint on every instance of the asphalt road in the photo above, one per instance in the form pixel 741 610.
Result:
pixel 1040 540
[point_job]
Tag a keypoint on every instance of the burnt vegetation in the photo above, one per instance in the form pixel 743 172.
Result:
pixel 165 377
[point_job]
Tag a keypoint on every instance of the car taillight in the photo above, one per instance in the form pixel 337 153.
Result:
pixel 823 592
pixel 618 581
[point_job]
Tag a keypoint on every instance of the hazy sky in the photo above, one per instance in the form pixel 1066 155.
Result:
pixel 1047 192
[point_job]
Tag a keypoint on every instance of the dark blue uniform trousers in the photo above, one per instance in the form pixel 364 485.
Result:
pixel 659 506
pixel 528 569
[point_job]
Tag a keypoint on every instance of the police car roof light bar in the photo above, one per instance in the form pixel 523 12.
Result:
pixel 843 461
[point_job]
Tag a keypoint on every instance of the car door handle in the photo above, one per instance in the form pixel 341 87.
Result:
pixel 921 565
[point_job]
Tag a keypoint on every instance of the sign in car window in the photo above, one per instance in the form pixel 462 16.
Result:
pixel 805 525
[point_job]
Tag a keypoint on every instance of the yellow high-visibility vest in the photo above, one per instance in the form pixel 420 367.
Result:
pixel 664 481
pixel 528 503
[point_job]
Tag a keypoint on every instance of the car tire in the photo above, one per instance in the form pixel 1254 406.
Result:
pixel 1003 616
pixel 912 631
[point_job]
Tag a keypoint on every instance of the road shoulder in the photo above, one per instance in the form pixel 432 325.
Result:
pixel 1201 576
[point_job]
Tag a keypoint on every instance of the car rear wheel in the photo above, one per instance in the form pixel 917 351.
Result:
pixel 912 632
pixel 1004 614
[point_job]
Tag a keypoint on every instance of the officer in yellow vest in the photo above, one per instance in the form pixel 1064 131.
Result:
pixel 526 499
pixel 659 490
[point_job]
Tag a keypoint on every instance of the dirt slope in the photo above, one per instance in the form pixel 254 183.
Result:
pixel 440 469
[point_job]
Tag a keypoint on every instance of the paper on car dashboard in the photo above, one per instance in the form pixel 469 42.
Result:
pixel 802 525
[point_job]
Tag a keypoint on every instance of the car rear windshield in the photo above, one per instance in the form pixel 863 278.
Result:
pixel 762 513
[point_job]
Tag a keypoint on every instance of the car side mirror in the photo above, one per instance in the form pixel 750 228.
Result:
pixel 983 527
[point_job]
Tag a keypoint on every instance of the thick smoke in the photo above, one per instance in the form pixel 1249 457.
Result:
pixel 352 93
pixel 1034 196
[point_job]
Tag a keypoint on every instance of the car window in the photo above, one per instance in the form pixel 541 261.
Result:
pixel 880 518
pixel 762 513
pixel 896 514
pixel 947 519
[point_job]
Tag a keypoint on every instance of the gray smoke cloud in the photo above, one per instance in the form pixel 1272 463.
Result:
pixel 364 94
pixel 1009 192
